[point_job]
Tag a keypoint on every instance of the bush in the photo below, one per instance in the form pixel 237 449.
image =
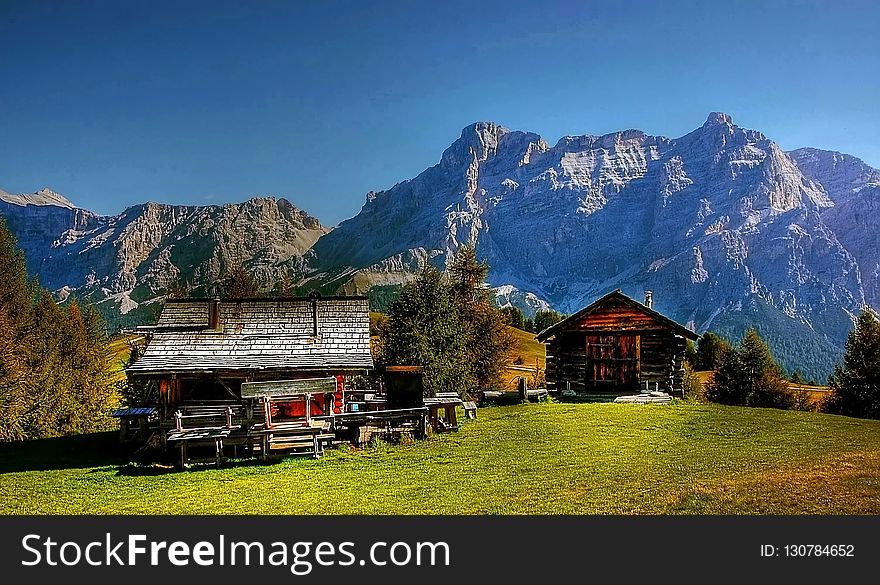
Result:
pixel 692 386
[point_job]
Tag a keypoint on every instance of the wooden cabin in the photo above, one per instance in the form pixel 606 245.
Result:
pixel 251 371
pixel 616 345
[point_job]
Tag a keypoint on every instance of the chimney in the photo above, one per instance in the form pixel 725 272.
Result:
pixel 313 298
pixel 649 299
pixel 214 314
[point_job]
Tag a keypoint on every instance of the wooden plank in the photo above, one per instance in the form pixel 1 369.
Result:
pixel 288 387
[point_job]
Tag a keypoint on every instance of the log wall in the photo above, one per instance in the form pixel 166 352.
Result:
pixel 660 364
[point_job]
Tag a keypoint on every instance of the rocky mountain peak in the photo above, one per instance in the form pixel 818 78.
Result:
pixel 44 196
pixel 479 140
pixel 718 119
pixel 842 175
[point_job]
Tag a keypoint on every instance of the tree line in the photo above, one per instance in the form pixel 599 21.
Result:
pixel 543 319
pixel 746 374
pixel 53 358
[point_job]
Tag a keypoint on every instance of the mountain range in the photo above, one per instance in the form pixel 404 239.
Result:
pixel 725 227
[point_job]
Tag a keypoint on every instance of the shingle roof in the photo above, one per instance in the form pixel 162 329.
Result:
pixel 259 334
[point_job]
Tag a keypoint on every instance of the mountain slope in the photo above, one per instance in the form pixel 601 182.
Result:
pixel 726 228
pixel 721 223
pixel 855 188
pixel 127 261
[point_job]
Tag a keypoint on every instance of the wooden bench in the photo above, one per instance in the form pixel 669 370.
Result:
pixel 470 409
pixel 205 424
pixel 293 438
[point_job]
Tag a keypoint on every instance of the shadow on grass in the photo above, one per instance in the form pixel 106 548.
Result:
pixel 76 452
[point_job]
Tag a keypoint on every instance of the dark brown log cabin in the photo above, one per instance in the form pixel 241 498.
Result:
pixel 614 346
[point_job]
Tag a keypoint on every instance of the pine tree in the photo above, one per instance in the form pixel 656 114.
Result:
pixel 52 360
pixel 424 328
pixel 13 382
pixel 855 382
pixel 710 351
pixel 15 300
pixel 749 376
pixel 489 339
pixel 514 317
pixel 547 318
pixel 448 324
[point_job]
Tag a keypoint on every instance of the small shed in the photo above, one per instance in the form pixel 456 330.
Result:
pixel 616 345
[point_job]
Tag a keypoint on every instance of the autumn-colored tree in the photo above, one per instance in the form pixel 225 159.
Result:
pixel 53 378
pixel 239 283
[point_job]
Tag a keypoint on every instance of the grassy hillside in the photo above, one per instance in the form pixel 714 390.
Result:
pixel 119 350
pixel 540 458
pixel 527 353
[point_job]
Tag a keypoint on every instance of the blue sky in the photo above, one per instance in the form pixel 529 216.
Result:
pixel 117 103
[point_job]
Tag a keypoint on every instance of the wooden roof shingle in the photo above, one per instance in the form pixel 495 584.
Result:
pixel 259 334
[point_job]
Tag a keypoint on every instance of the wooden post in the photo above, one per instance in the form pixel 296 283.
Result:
pixel 178 420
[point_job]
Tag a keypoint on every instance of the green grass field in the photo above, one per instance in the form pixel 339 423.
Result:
pixel 682 458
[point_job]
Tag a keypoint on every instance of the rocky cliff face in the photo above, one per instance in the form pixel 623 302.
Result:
pixel 725 227
pixel 125 261
pixel 855 189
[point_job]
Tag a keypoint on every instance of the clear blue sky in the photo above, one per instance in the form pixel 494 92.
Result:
pixel 186 102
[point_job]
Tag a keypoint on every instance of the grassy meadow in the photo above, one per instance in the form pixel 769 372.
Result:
pixel 682 458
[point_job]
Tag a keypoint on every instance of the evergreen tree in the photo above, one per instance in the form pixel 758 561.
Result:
pixel 488 338
pixel 711 350
pixel 53 378
pixel 514 316
pixel 425 328
pixel 15 301
pixel 448 324
pixel 13 382
pixel 545 319
pixel 855 382
pixel 690 354
pixel 749 376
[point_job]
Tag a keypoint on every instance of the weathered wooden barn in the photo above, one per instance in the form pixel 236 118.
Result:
pixel 263 374
pixel 616 345
pixel 203 349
